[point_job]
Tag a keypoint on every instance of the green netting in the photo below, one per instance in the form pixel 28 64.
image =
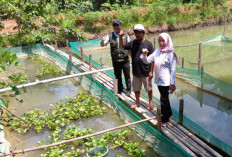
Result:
pixel 216 59
pixel 195 77
pixel 161 144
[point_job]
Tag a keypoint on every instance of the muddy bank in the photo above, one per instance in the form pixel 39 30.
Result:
pixel 158 29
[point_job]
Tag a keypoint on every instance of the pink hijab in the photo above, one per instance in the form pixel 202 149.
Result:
pixel 168 49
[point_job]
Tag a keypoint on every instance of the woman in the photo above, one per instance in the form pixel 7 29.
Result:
pixel 165 60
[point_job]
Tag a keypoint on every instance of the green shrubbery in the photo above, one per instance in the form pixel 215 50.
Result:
pixel 68 19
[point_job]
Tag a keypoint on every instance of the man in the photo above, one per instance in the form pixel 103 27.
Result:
pixel 120 58
pixel 142 73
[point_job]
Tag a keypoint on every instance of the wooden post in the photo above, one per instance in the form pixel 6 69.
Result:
pixel 115 87
pixel 102 63
pixel 154 43
pixel 90 63
pixel 56 47
pixel 82 54
pixel 200 56
pixel 159 119
pixel 67 50
pixel 42 41
pixel 181 111
pixel 202 77
pixel 182 62
pixel 226 18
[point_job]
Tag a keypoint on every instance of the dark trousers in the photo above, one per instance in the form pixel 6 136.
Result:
pixel 118 68
pixel 166 110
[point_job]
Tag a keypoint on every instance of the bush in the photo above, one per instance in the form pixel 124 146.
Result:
pixel 172 20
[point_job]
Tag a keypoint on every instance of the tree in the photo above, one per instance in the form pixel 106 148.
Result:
pixel 25 12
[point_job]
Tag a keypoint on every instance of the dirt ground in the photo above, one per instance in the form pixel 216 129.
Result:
pixel 8 27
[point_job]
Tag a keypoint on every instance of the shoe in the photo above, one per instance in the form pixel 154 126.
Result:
pixel 128 93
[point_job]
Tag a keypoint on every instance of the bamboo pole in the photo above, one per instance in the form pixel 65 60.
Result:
pixel 75 139
pixel 159 119
pixel 42 41
pixel 55 79
pixel 67 51
pixel 196 139
pixel 185 137
pixel 102 63
pixel 82 55
pixel 56 46
pixel 200 56
pixel 226 18
pixel 90 63
pixel 181 111
pixel 182 62
pixel 170 125
pixel 191 148
pixel 175 140
pixel 115 87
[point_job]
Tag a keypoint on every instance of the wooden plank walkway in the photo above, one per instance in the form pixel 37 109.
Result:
pixel 177 133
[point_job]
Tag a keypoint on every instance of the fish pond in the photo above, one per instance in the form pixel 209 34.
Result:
pixel 62 110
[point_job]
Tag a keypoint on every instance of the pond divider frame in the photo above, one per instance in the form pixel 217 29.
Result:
pixel 165 131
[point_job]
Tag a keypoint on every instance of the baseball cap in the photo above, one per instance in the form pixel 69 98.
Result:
pixel 118 22
pixel 139 27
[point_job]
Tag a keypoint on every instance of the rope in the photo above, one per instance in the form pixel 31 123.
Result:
pixel 74 139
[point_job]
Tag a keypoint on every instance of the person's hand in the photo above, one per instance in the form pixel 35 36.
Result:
pixel 145 51
pixel 151 75
pixel 102 42
pixel 103 39
pixel 121 34
pixel 172 87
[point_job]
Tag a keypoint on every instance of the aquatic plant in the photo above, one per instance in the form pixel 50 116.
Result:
pixel 46 68
pixel 57 120
pixel 81 147
pixel 60 115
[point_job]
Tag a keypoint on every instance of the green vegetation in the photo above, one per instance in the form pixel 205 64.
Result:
pixel 69 19
pixel 62 114
pixel 47 68
pixel 7 59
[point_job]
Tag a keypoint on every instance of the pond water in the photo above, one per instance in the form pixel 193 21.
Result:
pixel 40 96
pixel 212 113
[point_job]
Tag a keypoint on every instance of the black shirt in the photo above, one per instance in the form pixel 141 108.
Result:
pixel 139 68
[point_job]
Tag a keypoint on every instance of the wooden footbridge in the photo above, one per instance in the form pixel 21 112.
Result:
pixel 174 131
